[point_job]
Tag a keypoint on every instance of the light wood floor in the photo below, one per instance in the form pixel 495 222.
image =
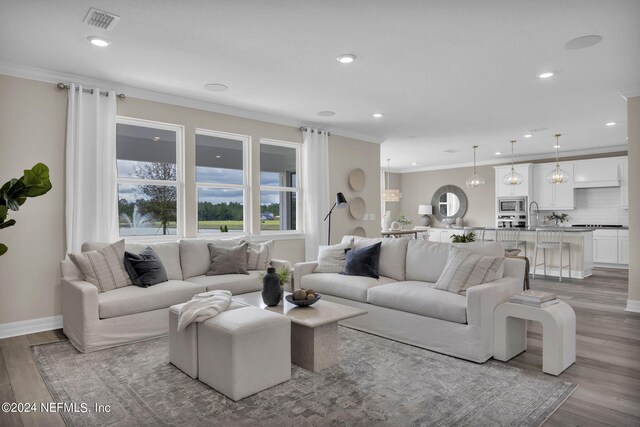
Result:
pixel 607 366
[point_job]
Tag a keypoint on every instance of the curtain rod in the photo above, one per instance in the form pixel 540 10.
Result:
pixel 62 86
pixel 304 129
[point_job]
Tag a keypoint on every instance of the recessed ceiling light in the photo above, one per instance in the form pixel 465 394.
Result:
pixel 217 157
pixel 414 164
pixel 611 124
pixel 377 115
pixel 216 87
pixel 346 58
pixel 528 135
pixel 583 42
pixel 556 146
pixel 98 41
pixel 156 138
pixel 498 153
pixel 545 75
pixel 327 113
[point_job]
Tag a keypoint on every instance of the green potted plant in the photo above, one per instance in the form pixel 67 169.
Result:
pixel 558 218
pixel 463 238
pixel 35 182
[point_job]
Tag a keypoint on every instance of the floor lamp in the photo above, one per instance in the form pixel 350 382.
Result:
pixel 341 202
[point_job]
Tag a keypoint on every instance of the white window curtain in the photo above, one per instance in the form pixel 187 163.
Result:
pixel 315 158
pixel 90 194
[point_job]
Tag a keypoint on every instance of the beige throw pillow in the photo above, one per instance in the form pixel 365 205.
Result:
pixel 259 255
pixel 465 269
pixel 231 260
pixel 331 259
pixel 104 268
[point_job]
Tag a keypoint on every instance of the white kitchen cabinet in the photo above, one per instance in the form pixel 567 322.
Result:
pixel 553 196
pixel 524 189
pixel 623 247
pixel 624 183
pixel 605 246
pixel 443 234
pixel 603 172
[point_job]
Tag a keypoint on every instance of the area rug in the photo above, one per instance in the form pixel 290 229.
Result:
pixel 378 382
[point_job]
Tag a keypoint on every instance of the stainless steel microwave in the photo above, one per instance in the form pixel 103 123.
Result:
pixel 512 205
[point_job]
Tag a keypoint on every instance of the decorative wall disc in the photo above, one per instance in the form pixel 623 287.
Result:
pixel 357 207
pixel 357 179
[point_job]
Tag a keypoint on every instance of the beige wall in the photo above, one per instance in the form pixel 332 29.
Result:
pixel 32 129
pixel 633 132
pixel 345 155
pixel 418 189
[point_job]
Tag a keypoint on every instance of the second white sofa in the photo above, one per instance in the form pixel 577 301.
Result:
pixel 403 304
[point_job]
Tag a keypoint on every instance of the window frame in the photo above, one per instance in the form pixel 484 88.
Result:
pixel 297 189
pixel 179 182
pixel 245 186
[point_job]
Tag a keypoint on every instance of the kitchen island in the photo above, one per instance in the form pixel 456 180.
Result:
pixel 580 239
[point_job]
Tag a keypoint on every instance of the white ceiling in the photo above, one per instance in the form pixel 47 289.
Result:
pixel 446 74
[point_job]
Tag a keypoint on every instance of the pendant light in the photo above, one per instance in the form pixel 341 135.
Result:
pixel 389 194
pixel 475 181
pixel 513 177
pixel 557 175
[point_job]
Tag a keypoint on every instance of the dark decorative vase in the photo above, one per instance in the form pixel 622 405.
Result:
pixel 271 289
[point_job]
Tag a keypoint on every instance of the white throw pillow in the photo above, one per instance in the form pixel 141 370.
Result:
pixel 104 268
pixel 259 255
pixel 331 259
pixel 465 269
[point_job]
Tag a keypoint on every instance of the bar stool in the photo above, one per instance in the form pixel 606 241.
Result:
pixel 477 231
pixel 509 238
pixel 550 238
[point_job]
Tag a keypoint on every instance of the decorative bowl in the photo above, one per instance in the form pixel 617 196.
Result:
pixel 302 302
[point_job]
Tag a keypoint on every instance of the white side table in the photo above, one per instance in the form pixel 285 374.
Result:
pixel 558 333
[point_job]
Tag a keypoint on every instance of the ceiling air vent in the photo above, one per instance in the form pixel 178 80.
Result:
pixel 101 19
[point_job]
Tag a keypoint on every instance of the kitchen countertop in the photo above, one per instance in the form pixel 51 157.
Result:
pixel 533 229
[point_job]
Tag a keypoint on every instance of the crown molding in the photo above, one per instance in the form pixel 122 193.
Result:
pixel 630 92
pixel 39 74
pixel 518 159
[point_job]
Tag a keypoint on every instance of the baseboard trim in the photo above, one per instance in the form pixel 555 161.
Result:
pixel 554 272
pixel 633 305
pixel 14 329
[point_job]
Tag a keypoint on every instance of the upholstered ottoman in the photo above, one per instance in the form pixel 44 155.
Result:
pixel 183 346
pixel 244 351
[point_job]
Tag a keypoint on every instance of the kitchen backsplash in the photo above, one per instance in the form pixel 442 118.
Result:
pixel 597 206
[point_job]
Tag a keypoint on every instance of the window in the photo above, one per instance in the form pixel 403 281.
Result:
pixel 148 160
pixel 221 181
pixel 279 185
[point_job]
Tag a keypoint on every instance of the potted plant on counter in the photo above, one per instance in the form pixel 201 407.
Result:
pixel 463 238
pixel 558 218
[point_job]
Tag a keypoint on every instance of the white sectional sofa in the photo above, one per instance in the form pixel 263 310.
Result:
pixel 94 321
pixel 403 305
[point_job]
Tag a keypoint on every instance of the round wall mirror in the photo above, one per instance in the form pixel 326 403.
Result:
pixel 449 201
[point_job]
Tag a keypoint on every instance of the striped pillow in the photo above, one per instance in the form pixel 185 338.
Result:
pixel 259 255
pixel 104 268
pixel 465 269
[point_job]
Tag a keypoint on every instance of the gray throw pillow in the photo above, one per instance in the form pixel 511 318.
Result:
pixel 146 269
pixel 103 268
pixel 231 260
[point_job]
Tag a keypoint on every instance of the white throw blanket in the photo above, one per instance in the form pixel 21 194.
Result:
pixel 202 307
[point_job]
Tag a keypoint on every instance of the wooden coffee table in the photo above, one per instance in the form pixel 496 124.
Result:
pixel 314 329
